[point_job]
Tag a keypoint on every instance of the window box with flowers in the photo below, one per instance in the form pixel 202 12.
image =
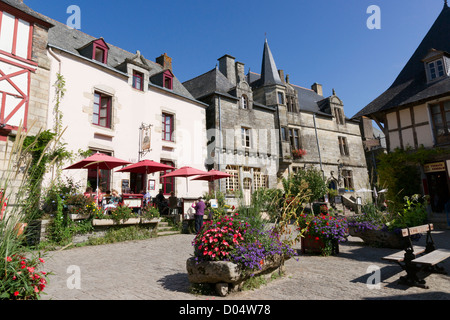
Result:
pixel 322 233
pixel 298 153
pixel 119 215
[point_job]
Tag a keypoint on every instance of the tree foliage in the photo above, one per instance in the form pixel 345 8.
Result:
pixel 313 177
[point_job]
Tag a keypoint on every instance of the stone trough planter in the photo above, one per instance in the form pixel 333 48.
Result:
pixel 226 276
pixel 111 222
pixel 380 238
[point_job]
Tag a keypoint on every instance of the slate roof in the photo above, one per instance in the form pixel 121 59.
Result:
pixel 69 40
pixel 308 99
pixel 18 4
pixel 208 83
pixel 411 87
pixel 269 71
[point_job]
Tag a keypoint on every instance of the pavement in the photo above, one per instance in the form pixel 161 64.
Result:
pixel 155 269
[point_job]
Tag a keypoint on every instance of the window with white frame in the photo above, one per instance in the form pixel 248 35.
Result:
pixel 259 179
pixel 436 69
pixel 244 102
pixel 232 183
pixel 246 137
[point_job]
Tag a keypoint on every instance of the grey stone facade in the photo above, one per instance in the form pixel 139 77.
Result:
pixel 282 117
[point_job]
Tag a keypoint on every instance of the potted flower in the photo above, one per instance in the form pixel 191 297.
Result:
pixel 80 207
pixel 298 153
pixel 150 213
pixel 119 215
pixel 322 233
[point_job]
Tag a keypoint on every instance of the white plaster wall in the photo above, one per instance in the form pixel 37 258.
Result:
pixel 131 108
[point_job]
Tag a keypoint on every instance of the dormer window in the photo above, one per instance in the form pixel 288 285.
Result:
pixel 96 50
pixel 168 80
pixel 100 51
pixel 436 63
pixel 339 115
pixel 138 80
pixel 244 102
pixel 99 55
pixel 436 69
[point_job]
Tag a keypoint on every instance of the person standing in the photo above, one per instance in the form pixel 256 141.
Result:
pixel 173 203
pixel 199 212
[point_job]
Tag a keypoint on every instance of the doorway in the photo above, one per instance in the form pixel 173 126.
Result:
pixel 438 188
pixel 247 192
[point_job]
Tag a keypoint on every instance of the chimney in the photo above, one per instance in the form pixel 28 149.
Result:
pixel 281 74
pixel 317 88
pixel 165 61
pixel 366 128
pixel 228 68
pixel 240 72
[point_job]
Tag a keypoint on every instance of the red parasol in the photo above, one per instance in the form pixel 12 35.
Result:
pixel 185 172
pixel 146 166
pixel 212 175
pixel 98 161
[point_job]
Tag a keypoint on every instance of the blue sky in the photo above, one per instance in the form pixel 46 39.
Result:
pixel 324 41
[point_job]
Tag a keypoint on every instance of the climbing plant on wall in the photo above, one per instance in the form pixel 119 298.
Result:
pixel 399 171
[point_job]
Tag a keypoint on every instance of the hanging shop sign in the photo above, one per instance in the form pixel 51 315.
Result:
pixel 434 167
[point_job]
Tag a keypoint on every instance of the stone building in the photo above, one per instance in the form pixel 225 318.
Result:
pixel 414 111
pixel 241 132
pixel 292 119
pixel 25 75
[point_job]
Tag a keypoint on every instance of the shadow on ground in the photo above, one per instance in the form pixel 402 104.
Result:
pixel 177 282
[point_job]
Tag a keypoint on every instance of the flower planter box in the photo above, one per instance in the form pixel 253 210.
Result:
pixel 111 222
pixel 227 276
pixel 153 220
pixel 380 238
pixel 78 216
pixel 309 244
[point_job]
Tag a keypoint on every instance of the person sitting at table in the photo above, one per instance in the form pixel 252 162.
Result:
pixel 89 193
pixel 113 201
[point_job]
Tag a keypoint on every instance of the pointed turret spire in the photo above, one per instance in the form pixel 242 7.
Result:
pixel 269 71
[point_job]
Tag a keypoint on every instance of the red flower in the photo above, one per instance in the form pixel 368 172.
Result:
pixel 16 293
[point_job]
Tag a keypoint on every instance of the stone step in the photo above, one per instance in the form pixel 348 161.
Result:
pixel 164 229
pixel 168 233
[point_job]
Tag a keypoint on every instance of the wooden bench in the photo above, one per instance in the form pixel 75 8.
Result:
pixel 416 260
